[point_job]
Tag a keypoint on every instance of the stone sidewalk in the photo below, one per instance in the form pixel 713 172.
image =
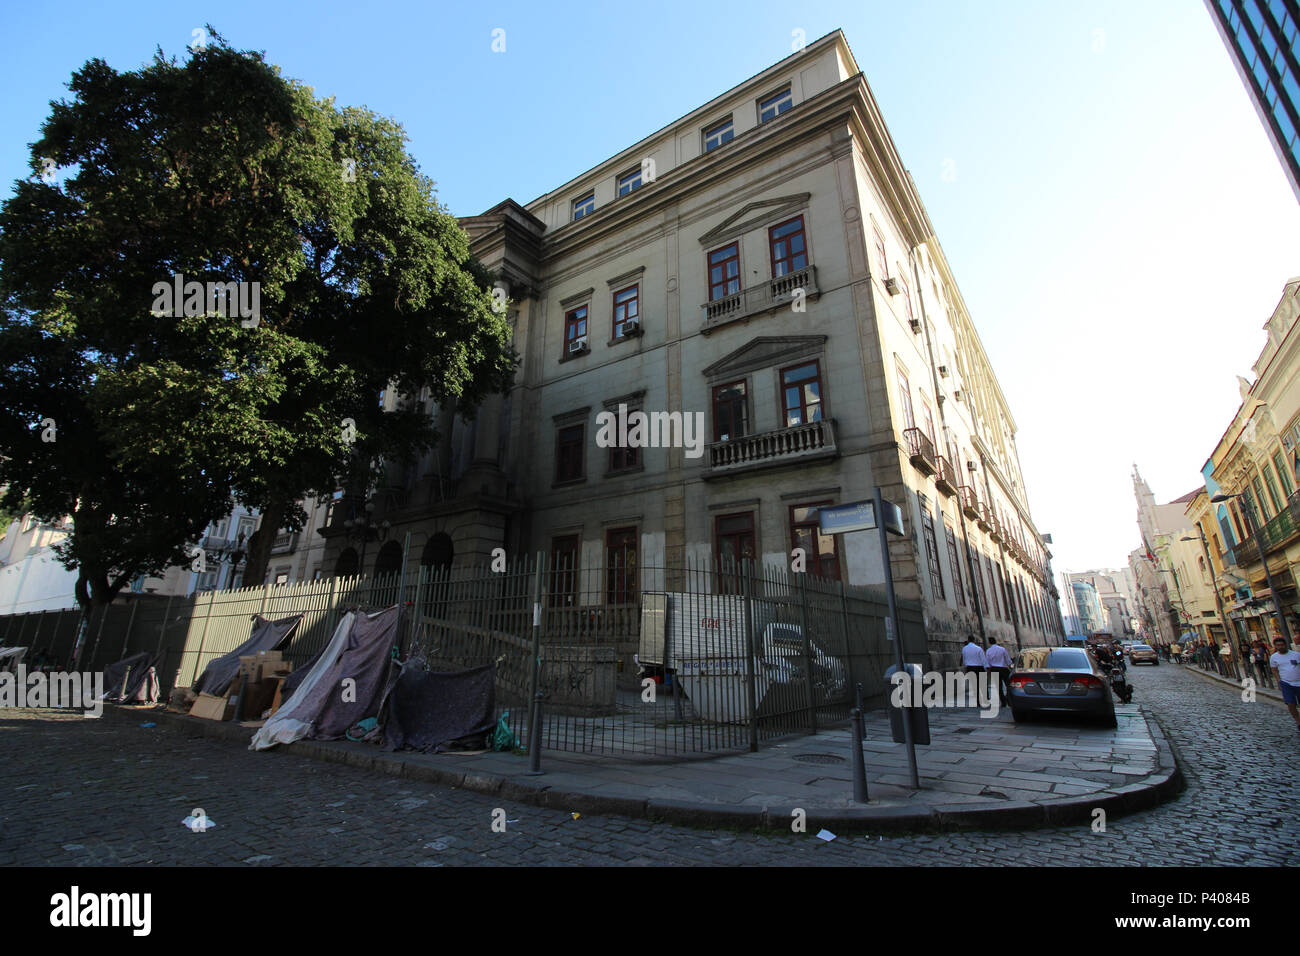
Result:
pixel 977 772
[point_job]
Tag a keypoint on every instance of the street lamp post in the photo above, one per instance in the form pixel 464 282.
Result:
pixel 1218 598
pixel 1248 511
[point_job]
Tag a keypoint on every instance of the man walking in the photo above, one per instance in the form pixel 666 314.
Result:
pixel 1000 661
pixel 1286 665
pixel 1260 656
pixel 973 660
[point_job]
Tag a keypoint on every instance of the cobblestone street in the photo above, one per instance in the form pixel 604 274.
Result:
pixel 85 792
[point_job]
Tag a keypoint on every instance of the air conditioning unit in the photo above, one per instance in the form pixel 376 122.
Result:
pixel 891 286
pixel 957 395
pixel 943 371
pixel 916 326
pixel 631 327
pixel 577 346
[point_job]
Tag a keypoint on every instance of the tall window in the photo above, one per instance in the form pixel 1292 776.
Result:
pixel 629 182
pixel 627 308
pixel 789 251
pixel 773 106
pixel 881 255
pixel 819 549
pixel 932 552
pixel 1287 485
pixel 1259 502
pixel 584 206
pixel 575 326
pixel 724 272
pixel 979 580
pixel 801 390
pixel 905 397
pixel 564 571
pixel 927 421
pixel 568 453
pixel 734 543
pixel 907 296
pixel 715 136
pixel 955 561
pixel 1271 484
pixel 620 566
pixel 625 458
pixel 730 412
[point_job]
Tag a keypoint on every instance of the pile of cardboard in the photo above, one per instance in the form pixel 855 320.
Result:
pixel 253 695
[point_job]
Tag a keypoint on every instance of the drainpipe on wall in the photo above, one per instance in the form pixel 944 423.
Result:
pixel 943 428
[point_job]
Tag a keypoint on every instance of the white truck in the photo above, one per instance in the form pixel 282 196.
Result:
pixel 700 640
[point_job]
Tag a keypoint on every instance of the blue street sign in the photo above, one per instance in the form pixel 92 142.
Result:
pixel 859 516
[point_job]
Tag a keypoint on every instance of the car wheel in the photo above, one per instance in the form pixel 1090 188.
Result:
pixel 1019 716
pixel 1110 721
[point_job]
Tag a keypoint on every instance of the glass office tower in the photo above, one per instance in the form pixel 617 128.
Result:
pixel 1262 37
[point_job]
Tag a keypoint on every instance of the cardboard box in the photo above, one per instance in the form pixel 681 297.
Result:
pixel 271 669
pixel 256 699
pixel 212 708
pixel 248 665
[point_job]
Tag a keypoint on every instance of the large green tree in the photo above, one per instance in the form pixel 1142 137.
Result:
pixel 145 419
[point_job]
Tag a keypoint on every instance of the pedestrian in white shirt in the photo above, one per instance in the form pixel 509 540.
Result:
pixel 999 660
pixel 972 658
pixel 1286 665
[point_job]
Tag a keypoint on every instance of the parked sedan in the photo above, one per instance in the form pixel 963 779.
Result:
pixel 1060 680
pixel 1143 654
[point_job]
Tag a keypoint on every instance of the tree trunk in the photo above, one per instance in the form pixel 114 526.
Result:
pixel 259 545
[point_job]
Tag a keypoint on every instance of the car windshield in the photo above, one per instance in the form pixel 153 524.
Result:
pixel 1141 647
pixel 1054 658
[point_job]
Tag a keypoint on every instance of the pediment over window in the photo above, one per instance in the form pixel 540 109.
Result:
pixel 755 214
pixel 765 352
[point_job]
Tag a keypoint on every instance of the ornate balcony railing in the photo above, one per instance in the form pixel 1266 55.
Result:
pixel 1277 531
pixel 945 479
pixel 920 450
pixel 970 502
pixel 815 439
pixel 760 297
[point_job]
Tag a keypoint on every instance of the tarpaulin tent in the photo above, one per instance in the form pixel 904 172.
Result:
pixel 11 657
pixel 132 680
pixel 266 636
pixel 427 711
pixel 346 685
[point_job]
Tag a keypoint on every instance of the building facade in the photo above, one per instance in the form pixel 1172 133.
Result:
pixel 1261 36
pixel 761 279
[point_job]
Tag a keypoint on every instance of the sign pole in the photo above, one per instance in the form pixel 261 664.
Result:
pixel 894 633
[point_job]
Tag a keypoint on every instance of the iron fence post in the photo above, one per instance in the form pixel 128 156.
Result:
pixel 535 719
pixel 807 654
pixel 746 574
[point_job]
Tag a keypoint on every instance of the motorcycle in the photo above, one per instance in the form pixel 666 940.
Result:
pixel 1119 683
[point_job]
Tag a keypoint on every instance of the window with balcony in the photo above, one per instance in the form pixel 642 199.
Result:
pixel 1271 484
pixel 629 182
pixel 770 107
pixel 575 328
pixel 1279 463
pixel 789 248
pixel 584 206
pixel 1260 511
pixel 801 391
pixel 715 136
pixel 730 412
pixel 569 443
pixel 620 566
pixel 724 272
pixel 905 398
pixel 627 311
pixel 819 549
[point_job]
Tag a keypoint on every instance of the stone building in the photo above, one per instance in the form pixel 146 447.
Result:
pixel 761 278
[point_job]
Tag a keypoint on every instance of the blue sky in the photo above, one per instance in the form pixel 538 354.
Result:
pixel 1117 221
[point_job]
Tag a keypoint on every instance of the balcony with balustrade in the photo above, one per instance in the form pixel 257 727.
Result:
pixel 970 502
pixel 759 298
pixel 796 445
pixel 1280 530
pixel 920 451
pixel 945 479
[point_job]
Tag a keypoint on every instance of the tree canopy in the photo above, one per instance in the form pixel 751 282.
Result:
pixel 164 413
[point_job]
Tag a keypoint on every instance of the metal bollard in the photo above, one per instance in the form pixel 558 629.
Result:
pixel 535 737
pixel 859 765
pixel 857 702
